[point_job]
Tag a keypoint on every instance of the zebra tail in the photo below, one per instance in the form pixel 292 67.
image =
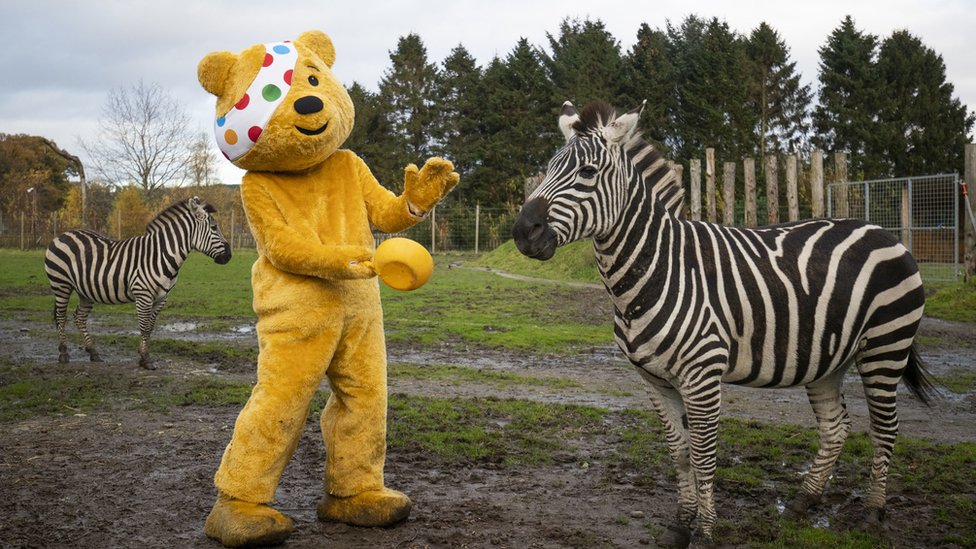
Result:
pixel 919 381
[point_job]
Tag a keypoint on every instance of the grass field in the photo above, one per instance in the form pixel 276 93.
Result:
pixel 501 313
pixel 474 310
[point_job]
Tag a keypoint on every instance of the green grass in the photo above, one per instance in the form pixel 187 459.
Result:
pixel 952 301
pixel 457 305
pixel 510 432
pixel 958 380
pixel 478 307
pixel 28 391
pixel 460 375
pixel 573 262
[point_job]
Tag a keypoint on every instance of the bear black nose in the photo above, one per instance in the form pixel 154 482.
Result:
pixel 308 105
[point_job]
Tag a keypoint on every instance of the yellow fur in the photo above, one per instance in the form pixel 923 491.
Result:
pixel 310 207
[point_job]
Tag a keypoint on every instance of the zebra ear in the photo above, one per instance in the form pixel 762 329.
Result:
pixel 567 117
pixel 623 126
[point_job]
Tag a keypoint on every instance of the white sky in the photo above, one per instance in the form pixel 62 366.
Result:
pixel 61 58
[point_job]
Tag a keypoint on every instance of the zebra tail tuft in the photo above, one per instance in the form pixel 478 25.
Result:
pixel 918 380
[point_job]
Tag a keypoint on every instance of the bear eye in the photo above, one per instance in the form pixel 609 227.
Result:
pixel 313 81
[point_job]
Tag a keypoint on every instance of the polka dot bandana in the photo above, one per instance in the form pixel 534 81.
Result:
pixel 238 130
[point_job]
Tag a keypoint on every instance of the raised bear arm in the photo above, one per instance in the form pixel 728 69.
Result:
pixel 293 252
pixel 422 190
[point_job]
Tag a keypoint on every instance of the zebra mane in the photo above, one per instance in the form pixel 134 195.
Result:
pixel 176 210
pixel 653 168
pixel 594 117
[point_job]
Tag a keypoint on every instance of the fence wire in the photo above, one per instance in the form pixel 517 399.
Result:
pixel 922 212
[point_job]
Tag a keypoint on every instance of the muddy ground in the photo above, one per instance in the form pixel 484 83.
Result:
pixel 122 476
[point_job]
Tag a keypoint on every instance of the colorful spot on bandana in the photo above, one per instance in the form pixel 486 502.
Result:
pixel 220 121
pixel 271 92
pixel 281 49
pixel 254 133
pixel 287 77
pixel 268 60
pixel 230 136
pixel 242 104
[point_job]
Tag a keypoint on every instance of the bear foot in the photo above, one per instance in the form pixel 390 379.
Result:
pixel 236 523
pixel 383 507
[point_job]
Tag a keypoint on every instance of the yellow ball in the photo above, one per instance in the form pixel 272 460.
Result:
pixel 403 264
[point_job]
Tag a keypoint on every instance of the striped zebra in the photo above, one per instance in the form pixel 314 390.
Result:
pixel 141 269
pixel 697 304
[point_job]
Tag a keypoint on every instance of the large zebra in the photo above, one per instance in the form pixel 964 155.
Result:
pixel 697 304
pixel 141 269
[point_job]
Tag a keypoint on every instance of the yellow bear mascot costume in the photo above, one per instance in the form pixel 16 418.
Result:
pixel 282 115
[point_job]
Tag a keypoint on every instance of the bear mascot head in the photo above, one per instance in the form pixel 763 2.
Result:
pixel 282 115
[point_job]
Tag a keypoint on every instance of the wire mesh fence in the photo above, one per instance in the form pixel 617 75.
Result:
pixel 922 212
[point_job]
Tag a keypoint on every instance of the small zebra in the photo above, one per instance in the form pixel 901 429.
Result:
pixel 698 304
pixel 141 269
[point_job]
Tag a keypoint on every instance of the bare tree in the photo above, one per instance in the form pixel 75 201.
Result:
pixel 143 139
pixel 202 163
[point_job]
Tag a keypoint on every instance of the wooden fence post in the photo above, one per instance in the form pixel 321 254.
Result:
pixel 840 176
pixel 679 172
pixel 749 172
pixel 772 190
pixel 969 178
pixel 816 184
pixel 728 181
pixel 710 202
pixel 792 192
pixel 695 189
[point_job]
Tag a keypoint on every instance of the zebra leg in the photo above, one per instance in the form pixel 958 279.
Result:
pixel 670 409
pixel 147 311
pixel 703 403
pixel 60 319
pixel 81 321
pixel 880 374
pixel 833 425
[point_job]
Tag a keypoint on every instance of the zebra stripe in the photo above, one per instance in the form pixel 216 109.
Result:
pixel 698 304
pixel 141 269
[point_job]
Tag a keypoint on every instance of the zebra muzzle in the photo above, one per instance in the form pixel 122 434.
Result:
pixel 533 236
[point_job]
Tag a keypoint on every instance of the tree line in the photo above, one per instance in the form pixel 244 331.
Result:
pixel 885 101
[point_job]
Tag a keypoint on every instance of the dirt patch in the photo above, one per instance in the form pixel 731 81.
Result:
pixel 124 476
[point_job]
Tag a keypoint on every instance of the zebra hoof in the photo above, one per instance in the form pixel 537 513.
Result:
pixel 94 357
pixel 63 358
pixel 675 536
pixel 147 364
pixel 798 507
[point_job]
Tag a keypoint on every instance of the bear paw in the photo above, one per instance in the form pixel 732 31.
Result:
pixel 237 523
pixel 373 508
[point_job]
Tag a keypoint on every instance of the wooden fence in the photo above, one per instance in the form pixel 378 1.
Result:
pixel 802 188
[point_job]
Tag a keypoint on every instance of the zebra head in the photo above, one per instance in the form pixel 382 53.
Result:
pixel 586 182
pixel 205 235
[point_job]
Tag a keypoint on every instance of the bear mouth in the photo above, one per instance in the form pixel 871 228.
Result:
pixel 312 132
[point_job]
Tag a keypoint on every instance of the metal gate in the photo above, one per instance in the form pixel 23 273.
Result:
pixel 923 212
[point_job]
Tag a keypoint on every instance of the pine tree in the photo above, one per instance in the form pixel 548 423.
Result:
pixel 780 102
pixel 652 77
pixel 922 128
pixel 518 125
pixel 846 117
pixel 586 64
pixel 407 87
pixel 372 137
pixel 712 92
pixel 459 100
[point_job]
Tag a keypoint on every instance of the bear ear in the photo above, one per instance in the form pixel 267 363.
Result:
pixel 320 44
pixel 213 71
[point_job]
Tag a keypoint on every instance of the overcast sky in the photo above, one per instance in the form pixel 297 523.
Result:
pixel 61 58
